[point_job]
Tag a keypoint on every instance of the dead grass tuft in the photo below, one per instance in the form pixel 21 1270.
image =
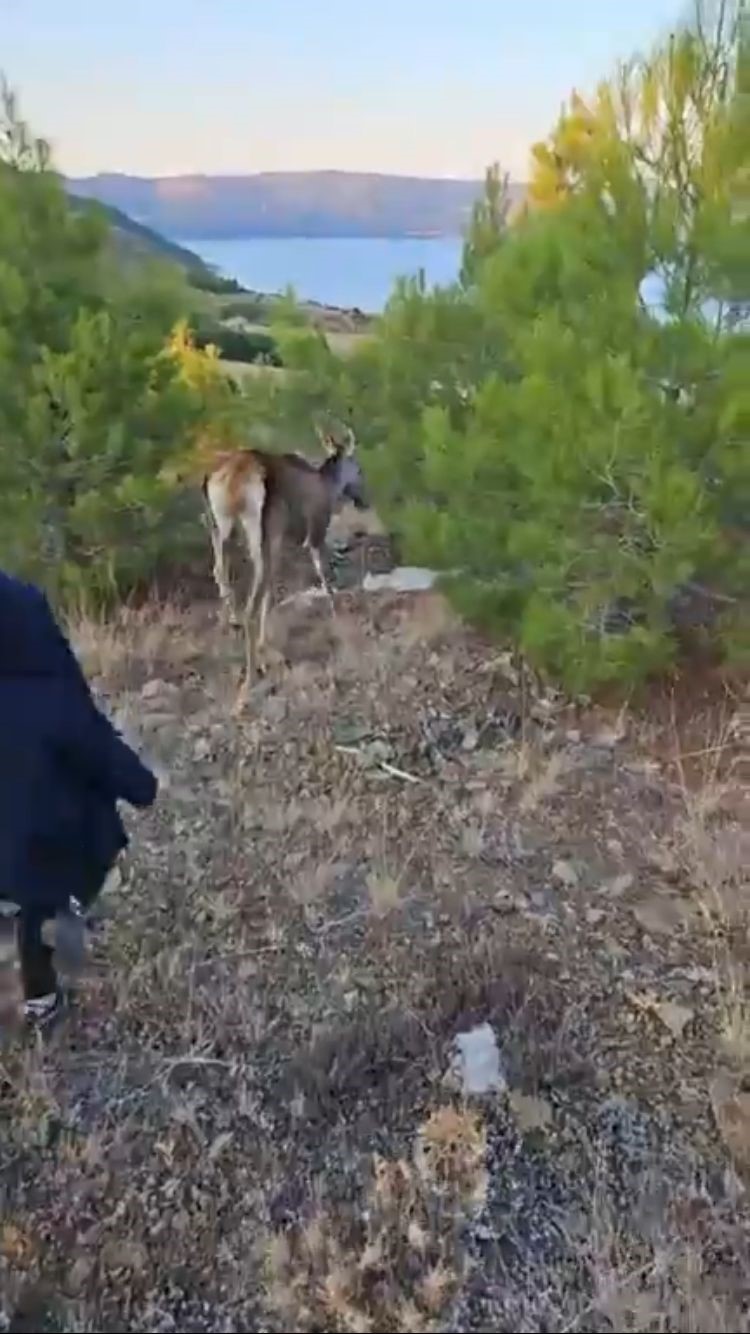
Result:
pixel 395 1264
pixel 135 645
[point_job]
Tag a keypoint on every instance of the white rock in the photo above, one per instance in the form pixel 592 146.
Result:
pixel 202 748
pixel 157 688
pixel 477 1061
pixel 618 886
pixel 608 737
pixel 404 579
pixel 565 872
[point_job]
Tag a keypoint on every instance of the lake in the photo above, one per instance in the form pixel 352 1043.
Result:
pixel 355 271
pixel 336 271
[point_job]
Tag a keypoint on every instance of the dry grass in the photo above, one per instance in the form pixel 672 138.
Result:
pixel 251 1121
pixel 346 1272
pixel 714 843
pixel 135 644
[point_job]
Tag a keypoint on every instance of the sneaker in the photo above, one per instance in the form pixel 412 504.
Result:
pixel 42 1011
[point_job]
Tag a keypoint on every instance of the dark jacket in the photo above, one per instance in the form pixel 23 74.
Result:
pixel 63 766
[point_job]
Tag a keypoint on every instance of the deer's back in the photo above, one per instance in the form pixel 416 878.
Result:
pixel 296 496
pixel 291 479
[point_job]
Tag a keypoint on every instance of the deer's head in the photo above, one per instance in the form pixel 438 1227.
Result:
pixel 343 468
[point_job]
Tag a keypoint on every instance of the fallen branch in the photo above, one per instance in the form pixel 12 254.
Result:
pixel 381 764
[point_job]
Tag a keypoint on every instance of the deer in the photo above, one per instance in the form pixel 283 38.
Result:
pixel 273 498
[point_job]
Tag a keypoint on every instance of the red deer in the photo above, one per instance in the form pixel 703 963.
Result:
pixel 273 497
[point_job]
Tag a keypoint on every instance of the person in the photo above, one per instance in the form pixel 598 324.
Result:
pixel 63 768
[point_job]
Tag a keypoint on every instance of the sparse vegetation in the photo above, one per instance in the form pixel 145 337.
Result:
pixel 251 1122
pixel 133 243
pixel 238 344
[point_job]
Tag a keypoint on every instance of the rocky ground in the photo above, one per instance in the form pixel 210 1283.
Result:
pixel 254 1119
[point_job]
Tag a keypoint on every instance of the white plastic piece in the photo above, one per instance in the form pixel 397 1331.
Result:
pixel 477 1061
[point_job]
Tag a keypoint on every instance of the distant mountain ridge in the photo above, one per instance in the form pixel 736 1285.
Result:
pixel 319 203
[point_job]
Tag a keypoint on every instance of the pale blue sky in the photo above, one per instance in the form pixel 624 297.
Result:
pixel 433 87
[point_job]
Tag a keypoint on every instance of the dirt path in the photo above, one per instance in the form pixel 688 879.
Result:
pixel 252 1122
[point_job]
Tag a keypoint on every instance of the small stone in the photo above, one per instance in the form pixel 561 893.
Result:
pixel 662 914
pixel 80 1273
pixel 530 1113
pixel 674 1017
pixel 618 886
pixel 377 750
pixel 595 915
pixel 608 737
pixel 158 688
pixel 565 872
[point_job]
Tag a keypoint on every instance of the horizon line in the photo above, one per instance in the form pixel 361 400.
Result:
pixel 290 171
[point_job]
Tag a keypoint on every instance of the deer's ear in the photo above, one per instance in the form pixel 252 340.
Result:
pixel 327 441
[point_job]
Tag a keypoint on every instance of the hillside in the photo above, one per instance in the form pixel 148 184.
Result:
pixel 324 203
pixel 252 1120
pixel 135 242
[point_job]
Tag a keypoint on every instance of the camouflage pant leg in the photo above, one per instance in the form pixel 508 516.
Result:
pixel 10 994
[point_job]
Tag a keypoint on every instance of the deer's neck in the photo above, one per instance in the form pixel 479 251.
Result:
pixel 330 471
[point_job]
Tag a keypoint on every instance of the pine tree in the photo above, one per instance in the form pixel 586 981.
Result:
pixel 600 468
pixel 489 221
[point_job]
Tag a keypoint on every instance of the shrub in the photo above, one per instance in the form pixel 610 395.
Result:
pixel 206 279
pixel 237 345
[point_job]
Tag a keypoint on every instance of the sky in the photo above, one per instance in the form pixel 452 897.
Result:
pixel 424 87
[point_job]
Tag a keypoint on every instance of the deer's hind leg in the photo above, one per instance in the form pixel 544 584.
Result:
pixel 314 544
pixel 316 556
pixel 273 536
pixel 252 520
pixel 220 525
